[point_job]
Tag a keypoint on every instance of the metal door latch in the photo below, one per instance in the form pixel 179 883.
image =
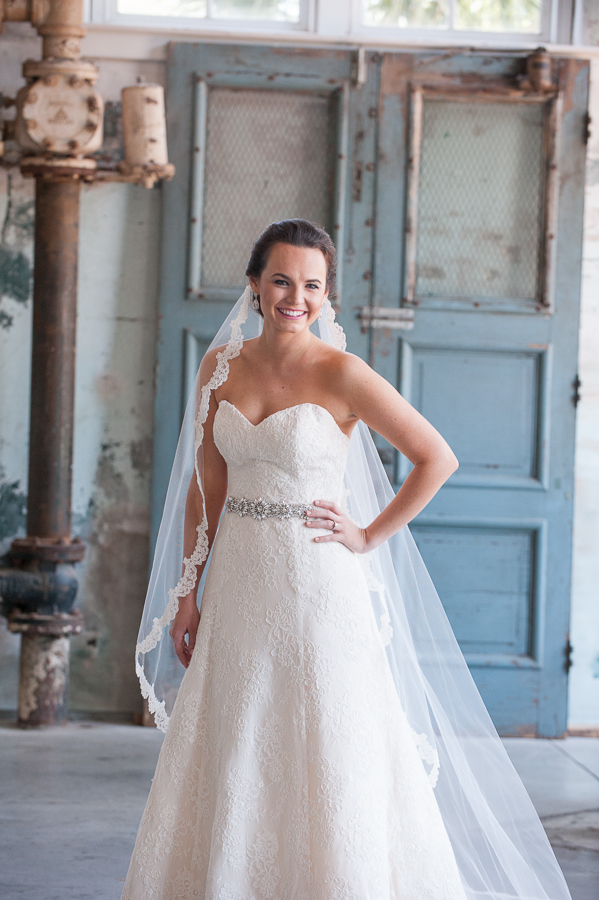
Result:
pixel 576 384
pixel 385 317
pixel 568 650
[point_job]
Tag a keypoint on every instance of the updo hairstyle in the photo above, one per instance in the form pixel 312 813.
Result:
pixel 298 233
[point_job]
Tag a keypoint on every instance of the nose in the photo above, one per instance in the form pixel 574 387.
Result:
pixel 297 295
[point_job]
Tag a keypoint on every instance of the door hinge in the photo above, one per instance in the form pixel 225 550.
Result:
pixel 384 317
pixel 568 650
pixel 357 185
pixel 576 385
pixel 360 68
pixel 586 128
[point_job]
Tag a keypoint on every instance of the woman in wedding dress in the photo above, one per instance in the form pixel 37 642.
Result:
pixel 290 769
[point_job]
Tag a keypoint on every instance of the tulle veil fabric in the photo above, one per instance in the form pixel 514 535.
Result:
pixel 499 843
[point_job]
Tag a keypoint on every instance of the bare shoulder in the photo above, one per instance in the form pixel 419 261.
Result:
pixel 348 368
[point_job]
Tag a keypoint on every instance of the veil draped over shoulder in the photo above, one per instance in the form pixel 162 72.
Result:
pixel 499 843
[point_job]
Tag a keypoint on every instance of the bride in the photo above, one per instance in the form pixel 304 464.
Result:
pixel 309 753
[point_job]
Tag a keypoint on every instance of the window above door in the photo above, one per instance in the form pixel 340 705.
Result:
pixel 491 21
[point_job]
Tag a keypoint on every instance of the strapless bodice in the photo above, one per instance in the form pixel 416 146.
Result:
pixel 297 454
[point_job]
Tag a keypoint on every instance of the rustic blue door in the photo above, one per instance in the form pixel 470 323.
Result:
pixel 455 199
pixel 474 293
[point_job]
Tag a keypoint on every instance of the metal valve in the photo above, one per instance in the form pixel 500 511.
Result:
pixel 59 112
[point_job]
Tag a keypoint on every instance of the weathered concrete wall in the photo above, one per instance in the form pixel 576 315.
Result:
pixel 16 258
pixel 113 435
pixel 118 276
pixel 584 676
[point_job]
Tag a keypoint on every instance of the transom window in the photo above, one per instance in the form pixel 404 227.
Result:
pixel 270 10
pixel 524 20
pixel 462 15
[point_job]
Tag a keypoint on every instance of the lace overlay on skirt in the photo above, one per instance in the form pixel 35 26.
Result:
pixel 289 770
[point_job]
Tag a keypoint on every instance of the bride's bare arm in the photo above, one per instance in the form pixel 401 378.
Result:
pixel 371 398
pixel 214 479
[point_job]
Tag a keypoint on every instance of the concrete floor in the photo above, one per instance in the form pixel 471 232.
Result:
pixel 72 797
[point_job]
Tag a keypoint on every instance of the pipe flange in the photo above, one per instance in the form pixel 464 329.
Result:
pixel 59 167
pixel 47 550
pixel 59 625
pixel 146 175
pixel 76 68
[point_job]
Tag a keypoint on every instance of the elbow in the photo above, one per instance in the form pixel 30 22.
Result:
pixel 443 463
pixel 450 463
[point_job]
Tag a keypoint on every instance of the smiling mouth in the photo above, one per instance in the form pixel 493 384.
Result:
pixel 291 313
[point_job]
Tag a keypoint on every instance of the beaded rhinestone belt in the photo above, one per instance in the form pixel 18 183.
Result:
pixel 261 509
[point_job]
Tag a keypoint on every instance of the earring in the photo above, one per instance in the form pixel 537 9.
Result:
pixel 255 300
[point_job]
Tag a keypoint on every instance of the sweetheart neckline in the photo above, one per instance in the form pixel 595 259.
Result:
pixel 286 409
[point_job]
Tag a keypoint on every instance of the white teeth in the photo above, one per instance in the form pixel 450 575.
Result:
pixel 292 312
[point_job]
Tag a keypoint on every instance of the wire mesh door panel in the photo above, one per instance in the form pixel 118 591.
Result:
pixel 266 161
pixel 480 206
pixel 478 231
pixel 266 155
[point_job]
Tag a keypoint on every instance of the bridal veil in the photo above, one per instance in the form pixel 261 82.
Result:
pixel 499 843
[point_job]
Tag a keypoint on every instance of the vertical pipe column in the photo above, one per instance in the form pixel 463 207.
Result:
pixel 53 358
pixel 48 549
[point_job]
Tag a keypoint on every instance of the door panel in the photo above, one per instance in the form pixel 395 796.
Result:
pixel 492 387
pixel 260 155
pixel 494 604
pixel 269 150
pixel 479 199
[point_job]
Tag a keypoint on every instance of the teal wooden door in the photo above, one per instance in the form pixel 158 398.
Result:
pixel 474 294
pixel 456 206
pixel 256 134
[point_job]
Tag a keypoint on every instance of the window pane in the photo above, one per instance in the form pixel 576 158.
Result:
pixel 191 9
pixel 406 13
pixel 274 10
pixel 498 15
pixel 474 15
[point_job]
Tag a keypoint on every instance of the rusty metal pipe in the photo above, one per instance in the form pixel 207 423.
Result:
pixel 43 679
pixel 53 358
pixel 39 590
pixel 62 30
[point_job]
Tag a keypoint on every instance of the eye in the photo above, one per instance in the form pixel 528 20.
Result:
pixel 280 281
pixel 313 286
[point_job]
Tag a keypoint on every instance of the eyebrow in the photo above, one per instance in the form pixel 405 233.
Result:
pixel 311 280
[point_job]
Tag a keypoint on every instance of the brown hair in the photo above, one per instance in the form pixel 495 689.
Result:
pixel 298 233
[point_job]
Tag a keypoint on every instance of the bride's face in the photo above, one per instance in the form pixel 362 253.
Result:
pixel 292 287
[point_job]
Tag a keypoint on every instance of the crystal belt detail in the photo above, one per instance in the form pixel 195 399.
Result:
pixel 261 509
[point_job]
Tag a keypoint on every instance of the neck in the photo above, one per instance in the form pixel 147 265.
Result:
pixel 281 348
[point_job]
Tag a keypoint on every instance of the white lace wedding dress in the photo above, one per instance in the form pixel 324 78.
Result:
pixel 289 770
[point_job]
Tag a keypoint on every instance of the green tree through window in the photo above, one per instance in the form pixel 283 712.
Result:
pixel 471 15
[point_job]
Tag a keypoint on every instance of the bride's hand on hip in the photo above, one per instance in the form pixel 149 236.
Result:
pixel 186 622
pixel 342 528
